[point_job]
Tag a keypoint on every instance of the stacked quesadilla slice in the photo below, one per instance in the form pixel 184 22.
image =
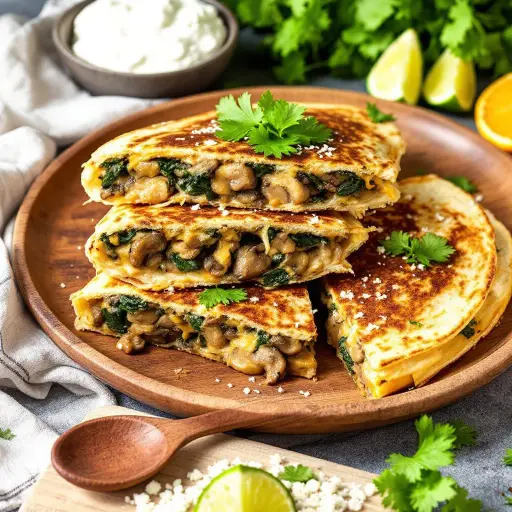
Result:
pixel 395 323
pixel 184 162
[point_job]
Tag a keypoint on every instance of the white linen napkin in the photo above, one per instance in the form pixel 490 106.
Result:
pixel 41 108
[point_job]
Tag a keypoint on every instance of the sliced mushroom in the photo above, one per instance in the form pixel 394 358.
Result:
pixel 184 251
pixel 139 329
pixel 233 177
pixel 334 323
pixel 244 362
pixel 321 257
pixel 97 315
pixel 252 197
pixel 297 261
pixel 231 333
pixel 282 243
pixel 286 345
pixel 165 322
pixel 130 343
pixel 148 317
pixel 214 267
pixel 273 362
pixel 280 188
pixel 154 261
pixel 204 167
pixel 356 353
pixel 331 182
pixel 150 190
pixel 251 261
pixel 122 184
pixel 149 169
pixel 145 244
pixel 214 336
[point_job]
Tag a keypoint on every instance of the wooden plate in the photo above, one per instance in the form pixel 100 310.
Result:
pixel 52 227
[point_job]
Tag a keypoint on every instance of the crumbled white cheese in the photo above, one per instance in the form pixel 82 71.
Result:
pixel 479 198
pixel 381 296
pixel 170 289
pixel 346 295
pixel 383 317
pixel 195 207
pixel 421 266
pixel 79 247
pixel 280 389
pixel 364 279
pixel 275 304
pixel 371 327
pixel 395 286
pixel 230 385
pixel 210 142
pixel 221 208
pixel 381 249
pixel 359 315
pixel 252 379
pixel 225 213
pixel 305 394
pixel 217 380
pixel 365 295
pixel 376 281
pixel 257 391
pixel 314 220
pixel 153 487
pixel 413 267
pixel 62 285
pixel 247 391
pixel 439 217
pixel 297 325
pixel 254 300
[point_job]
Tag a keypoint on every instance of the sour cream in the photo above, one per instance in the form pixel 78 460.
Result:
pixel 147 36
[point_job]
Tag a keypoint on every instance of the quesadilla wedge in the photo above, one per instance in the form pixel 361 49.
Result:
pixel 272 332
pixel 154 248
pixel 183 161
pixel 396 324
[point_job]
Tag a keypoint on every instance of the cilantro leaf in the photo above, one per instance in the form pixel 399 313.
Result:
pixel 508 500
pixel 273 127
pixel 463 183
pixel 507 459
pixel 428 248
pixel 376 115
pixel 395 490
pixel 6 434
pixel 461 503
pixel 298 473
pixel 435 489
pixel 469 330
pixel 213 296
pixel 292 69
pixel 464 434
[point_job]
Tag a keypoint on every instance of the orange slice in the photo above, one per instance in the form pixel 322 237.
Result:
pixel 493 113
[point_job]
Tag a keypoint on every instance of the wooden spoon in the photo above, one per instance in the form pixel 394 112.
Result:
pixel 116 452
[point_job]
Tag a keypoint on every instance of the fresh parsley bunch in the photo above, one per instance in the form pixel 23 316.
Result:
pixel 347 37
pixel 424 250
pixel 272 127
pixel 415 484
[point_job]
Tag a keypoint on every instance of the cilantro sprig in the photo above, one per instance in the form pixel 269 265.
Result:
pixel 272 127
pixel 415 484
pixel 376 115
pixel 6 434
pixel 298 473
pixel 213 296
pixel 507 459
pixel 424 250
pixel 464 183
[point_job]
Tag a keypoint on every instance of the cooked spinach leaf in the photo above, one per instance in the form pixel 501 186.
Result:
pixel 169 166
pixel 272 233
pixel 263 339
pixel 110 248
pixel 184 265
pixel 196 185
pixel 276 277
pixel 196 321
pixel 126 235
pixel 307 240
pixel 261 169
pixel 347 359
pixel 114 167
pixel 278 258
pixel 351 184
pixel 319 198
pixel 132 304
pixel 333 307
pixel 214 233
pixel 116 319
pixel 250 239
pixel 469 330
pixel 310 179
pixel 202 341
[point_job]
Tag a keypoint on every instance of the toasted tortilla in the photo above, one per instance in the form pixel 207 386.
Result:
pixel 340 235
pixel 265 316
pixel 393 323
pixel 371 151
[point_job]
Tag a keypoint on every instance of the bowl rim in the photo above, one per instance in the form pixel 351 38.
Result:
pixel 65 48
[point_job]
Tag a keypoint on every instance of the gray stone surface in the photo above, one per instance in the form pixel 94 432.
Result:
pixel 489 410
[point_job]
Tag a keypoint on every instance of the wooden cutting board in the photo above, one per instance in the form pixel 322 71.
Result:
pixel 51 493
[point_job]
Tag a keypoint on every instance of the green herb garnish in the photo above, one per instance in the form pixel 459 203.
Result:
pixel 414 322
pixel 273 127
pixel 276 277
pixel 463 183
pixel 465 435
pixel 469 330
pixel 298 473
pixel 131 304
pixel 415 484
pixel 114 167
pixel 376 115
pixel 351 184
pixel 6 434
pixel 507 459
pixel 424 250
pixel 306 240
pixel 347 359
pixel 263 339
pixel 184 265
pixel 213 296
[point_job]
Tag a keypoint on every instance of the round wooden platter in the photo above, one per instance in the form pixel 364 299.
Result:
pixel 53 225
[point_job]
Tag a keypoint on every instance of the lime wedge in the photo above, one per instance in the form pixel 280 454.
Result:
pixel 451 84
pixel 245 489
pixel 397 74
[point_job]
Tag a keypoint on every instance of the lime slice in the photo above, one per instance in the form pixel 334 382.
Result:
pixel 451 84
pixel 397 74
pixel 245 489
